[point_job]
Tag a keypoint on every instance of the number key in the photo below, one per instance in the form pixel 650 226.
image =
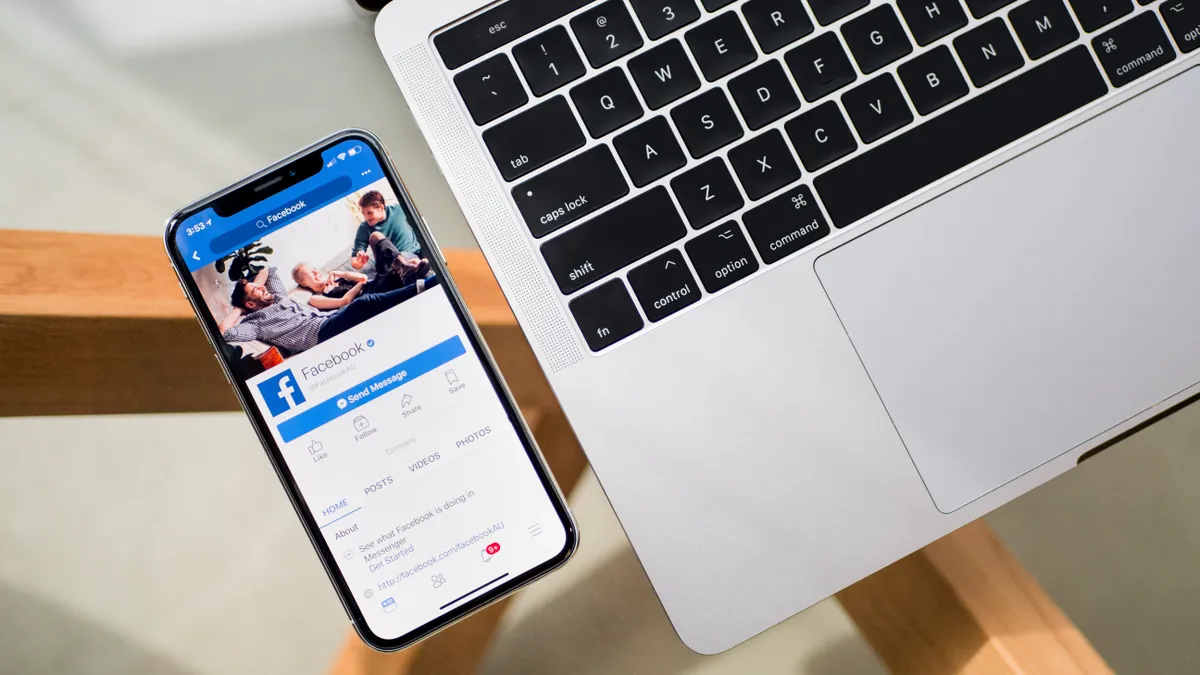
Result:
pixel 660 17
pixel 549 61
pixel 606 33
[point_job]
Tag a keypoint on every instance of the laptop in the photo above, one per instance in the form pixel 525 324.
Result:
pixel 818 282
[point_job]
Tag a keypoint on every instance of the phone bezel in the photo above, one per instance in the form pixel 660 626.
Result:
pixel 348 599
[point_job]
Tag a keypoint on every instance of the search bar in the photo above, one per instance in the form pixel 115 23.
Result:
pixel 283 214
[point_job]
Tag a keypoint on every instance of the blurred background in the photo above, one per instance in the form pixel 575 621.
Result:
pixel 163 544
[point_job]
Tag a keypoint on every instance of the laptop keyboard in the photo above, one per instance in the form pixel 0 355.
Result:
pixel 661 150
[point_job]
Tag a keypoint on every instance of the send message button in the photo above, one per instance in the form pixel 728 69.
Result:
pixel 369 390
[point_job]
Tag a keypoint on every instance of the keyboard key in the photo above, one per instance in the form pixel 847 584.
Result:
pixel 549 61
pixel 721 46
pixel 1095 14
pixel 490 89
pixel 764 164
pixel 959 136
pixel 981 8
pixel 660 17
pixel 626 233
pixel 649 151
pixel 876 39
pixel 1043 26
pixel 707 193
pixel 1134 48
pixel 534 138
pixel 1183 18
pixel 721 256
pixel 820 66
pixel 933 80
pixel 777 23
pixel 988 52
pixel 606 33
pixel 714 5
pixel 664 285
pixel 786 224
pixel 606 102
pixel 606 315
pixel 828 11
pixel 664 74
pixel 499 26
pixel 764 94
pixel 707 122
pixel 932 20
pixel 565 193
pixel 877 108
pixel 821 136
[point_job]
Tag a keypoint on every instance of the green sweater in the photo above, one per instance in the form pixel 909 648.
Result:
pixel 394 226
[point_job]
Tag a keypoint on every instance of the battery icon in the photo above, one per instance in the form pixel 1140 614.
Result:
pixel 354 151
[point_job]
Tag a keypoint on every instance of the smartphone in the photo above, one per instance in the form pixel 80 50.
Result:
pixel 337 323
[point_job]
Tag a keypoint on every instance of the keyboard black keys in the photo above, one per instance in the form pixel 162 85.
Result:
pixel 1133 49
pixel 549 61
pixel 721 256
pixel 786 224
pixel 490 89
pixel 534 138
pixel 988 52
pixel 606 33
pixel 570 191
pixel 828 11
pixel 820 66
pixel 721 46
pixel 664 74
pixel 877 108
pixel 960 135
pixel 660 17
pixel 932 20
pixel 649 151
pixel 1183 18
pixel 707 193
pixel 1094 14
pixel 933 80
pixel 764 164
pixel 606 102
pixel 624 234
pixel 714 5
pixel 497 27
pixel 1043 26
pixel 981 8
pixel 876 38
pixel 777 23
pixel 764 94
pixel 821 136
pixel 664 285
pixel 707 122
pixel 606 315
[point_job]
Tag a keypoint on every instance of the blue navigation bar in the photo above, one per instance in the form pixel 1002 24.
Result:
pixel 369 390
pixel 274 219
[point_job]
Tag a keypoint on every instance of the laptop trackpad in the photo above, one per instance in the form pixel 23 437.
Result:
pixel 1033 308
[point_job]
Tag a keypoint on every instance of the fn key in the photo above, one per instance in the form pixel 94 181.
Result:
pixel 606 315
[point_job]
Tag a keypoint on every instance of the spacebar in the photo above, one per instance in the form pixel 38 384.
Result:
pixel 950 141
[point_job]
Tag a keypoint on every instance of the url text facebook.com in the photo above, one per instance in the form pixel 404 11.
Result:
pixel 472 544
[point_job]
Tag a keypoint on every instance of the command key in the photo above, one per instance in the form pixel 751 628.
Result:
pixel 1133 49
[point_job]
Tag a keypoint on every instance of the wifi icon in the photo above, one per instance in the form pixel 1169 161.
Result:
pixel 341 155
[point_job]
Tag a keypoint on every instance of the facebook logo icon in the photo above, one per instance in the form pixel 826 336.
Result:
pixel 281 393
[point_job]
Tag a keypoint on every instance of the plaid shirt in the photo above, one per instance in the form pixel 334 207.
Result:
pixel 285 323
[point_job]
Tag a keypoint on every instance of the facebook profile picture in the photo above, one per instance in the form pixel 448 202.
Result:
pixel 281 393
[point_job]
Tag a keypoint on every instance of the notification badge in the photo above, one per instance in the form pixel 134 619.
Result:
pixel 489 551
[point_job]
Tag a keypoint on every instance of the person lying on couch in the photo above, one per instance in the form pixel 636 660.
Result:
pixel 270 316
pixel 337 288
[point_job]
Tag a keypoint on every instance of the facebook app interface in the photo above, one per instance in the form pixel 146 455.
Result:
pixel 349 345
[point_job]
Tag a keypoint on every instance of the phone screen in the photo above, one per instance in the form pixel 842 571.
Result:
pixel 332 311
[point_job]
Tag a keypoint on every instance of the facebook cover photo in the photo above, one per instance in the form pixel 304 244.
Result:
pixel 320 276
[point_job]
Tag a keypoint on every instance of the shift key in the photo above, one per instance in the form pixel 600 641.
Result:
pixel 598 247
pixel 570 191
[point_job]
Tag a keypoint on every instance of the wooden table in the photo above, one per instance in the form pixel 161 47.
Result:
pixel 93 337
